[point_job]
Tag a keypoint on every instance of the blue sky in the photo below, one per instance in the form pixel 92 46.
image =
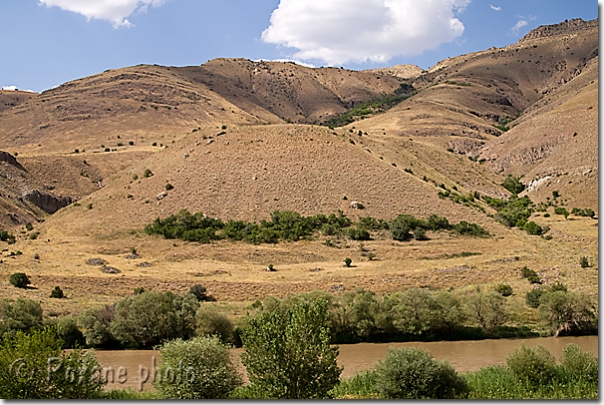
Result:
pixel 45 43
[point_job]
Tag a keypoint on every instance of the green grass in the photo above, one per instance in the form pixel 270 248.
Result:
pixel 128 393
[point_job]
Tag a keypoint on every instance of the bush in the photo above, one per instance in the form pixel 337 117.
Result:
pixel 200 292
pixel 67 329
pixel 24 315
pixel 488 310
pixel 561 211
pixel 400 228
pixel 139 290
pixel 577 366
pixel 147 173
pixel 504 289
pixel 533 366
pixel 413 373
pixel 358 233
pixel 584 262
pixel 532 228
pixel 347 262
pixel 169 187
pixel 465 228
pixel 287 353
pixel 533 297
pixel 566 312
pixel 361 385
pixel 147 319
pixel 44 371
pixel 206 368
pixel 57 293
pixel 19 280
pixel 209 322
pixel 534 279
pixel 526 272
pixel 513 184
pixel 95 325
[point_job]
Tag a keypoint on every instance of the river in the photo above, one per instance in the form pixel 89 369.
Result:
pixel 127 368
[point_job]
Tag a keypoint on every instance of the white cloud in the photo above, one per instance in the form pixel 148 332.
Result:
pixel 516 28
pixel 496 8
pixel 114 11
pixel 339 31
pixel 14 88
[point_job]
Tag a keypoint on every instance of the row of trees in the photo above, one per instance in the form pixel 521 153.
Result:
pixel 291 226
pixel 146 319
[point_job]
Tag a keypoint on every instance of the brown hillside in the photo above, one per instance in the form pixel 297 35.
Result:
pixel 12 98
pixel 249 173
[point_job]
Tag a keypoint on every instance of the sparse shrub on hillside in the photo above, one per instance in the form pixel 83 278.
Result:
pixel 89 206
pixel 413 373
pixel 532 297
pixel 526 272
pixel 169 187
pixel 347 262
pixel 584 262
pixel 465 228
pixel 358 233
pixel 57 293
pixel 420 234
pixel 555 194
pixel 19 280
pixel 7 237
pixel 532 228
pixel 513 212
pixel 131 143
pixel 29 226
pixel 534 279
pixel 586 212
pixel 561 211
pixel 135 177
pixel 139 290
pixel 147 173
pixel 223 127
pixel 513 184
pixel 504 289
pixel 200 292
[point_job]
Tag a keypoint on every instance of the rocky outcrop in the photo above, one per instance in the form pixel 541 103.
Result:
pixel 46 201
pixel 10 159
pixel 564 28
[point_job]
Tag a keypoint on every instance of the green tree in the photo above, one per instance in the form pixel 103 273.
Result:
pixel 566 311
pixel 21 315
pixel 201 368
pixel 414 311
pixel 33 366
pixel 210 322
pixel 488 310
pixel 95 324
pixel 287 354
pixel 413 373
pixel 146 319
pixel 400 228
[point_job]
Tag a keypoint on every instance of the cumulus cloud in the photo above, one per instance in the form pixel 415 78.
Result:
pixel 496 8
pixel 114 11
pixel 516 28
pixel 340 31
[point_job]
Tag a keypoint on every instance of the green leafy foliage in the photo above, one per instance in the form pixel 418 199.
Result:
pixel 585 212
pixel 561 211
pixel 19 280
pixel 567 312
pixel 147 319
pixel 206 367
pixel 583 262
pixel 287 353
pixel 57 293
pixel 22 315
pixel 33 366
pixel 413 373
pixel 374 106
pixel 7 237
pixel 532 228
pixel 513 184
pixel 488 310
pixel 504 289
pixel 210 322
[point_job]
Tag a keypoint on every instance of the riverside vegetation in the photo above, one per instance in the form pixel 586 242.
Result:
pixel 282 365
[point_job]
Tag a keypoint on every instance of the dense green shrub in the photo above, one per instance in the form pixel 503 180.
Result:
pixel 347 262
pixel 512 212
pixel 400 228
pixel 534 366
pixel 466 228
pixel 413 373
pixel 584 262
pixel 287 353
pixel 532 228
pixel 533 297
pixel 200 292
pixel 586 212
pixel 33 366
pixel 19 280
pixel 526 272
pixel 504 289
pixel 534 279
pixel 147 319
pixel 67 329
pixel 358 233
pixel 561 211
pixel 210 322
pixel 205 367
pixel 95 323
pixel 360 385
pixel 57 293
pixel 420 234
pixel 21 315
pixel 577 367
pixel 513 184
pixel 7 237
pixel 567 312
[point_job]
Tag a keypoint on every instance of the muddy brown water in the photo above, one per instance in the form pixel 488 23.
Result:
pixel 128 368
